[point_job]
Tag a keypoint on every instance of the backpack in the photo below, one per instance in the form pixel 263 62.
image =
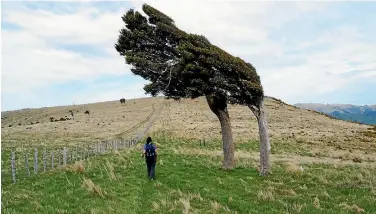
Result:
pixel 149 150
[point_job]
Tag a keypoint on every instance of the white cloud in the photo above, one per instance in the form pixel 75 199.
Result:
pixel 88 26
pixel 243 29
pixel 32 59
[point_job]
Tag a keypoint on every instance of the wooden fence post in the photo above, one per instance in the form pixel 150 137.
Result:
pixel 44 161
pixel 59 159
pixel 14 167
pixel 36 161
pixel 52 159
pixel 27 164
pixel 65 156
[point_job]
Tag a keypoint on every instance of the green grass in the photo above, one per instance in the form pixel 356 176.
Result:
pixel 190 183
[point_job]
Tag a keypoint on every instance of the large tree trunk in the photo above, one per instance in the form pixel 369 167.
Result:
pixel 218 105
pixel 258 111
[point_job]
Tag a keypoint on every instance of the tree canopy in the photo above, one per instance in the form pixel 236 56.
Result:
pixel 183 65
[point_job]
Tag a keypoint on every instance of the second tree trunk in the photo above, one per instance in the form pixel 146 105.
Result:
pixel 264 137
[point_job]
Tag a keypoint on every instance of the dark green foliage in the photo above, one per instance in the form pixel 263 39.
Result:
pixel 183 65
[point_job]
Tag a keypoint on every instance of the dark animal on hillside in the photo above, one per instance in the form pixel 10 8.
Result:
pixel 87 112
pixel 122 100
pixel 52 119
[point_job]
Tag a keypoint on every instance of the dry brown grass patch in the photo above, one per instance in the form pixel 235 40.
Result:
pixel 230 199
pixel 326 194
pixel 89 185
pixel 155 206
pixel 215 205
pixel 288 192
pixel 185 202
pixel 354 207
pixel 294 208
pixel 110 170
pixel 267 194
pixel 316 202
pixel 77 167
pixel 294 168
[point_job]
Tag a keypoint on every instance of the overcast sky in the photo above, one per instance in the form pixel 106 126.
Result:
pixel 57 53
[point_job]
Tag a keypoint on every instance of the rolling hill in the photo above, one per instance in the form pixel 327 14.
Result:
pixel 338 159
pixel 361 114
pixel 185 119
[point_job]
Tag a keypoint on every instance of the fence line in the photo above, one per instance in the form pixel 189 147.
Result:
pixel 67 156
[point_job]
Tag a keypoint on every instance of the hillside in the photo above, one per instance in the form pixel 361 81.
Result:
pixel 338 159
pixel 360 114
pixel 187 119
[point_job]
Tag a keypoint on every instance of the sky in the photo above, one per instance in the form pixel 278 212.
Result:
pixel 60 53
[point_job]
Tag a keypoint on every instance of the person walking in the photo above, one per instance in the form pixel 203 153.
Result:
pixel 150 154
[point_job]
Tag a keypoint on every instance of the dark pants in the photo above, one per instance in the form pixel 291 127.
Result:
pixel 150 163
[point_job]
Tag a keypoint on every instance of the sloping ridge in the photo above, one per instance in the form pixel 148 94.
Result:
pixel 189 118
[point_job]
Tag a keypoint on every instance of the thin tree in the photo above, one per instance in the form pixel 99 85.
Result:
pixel 182 65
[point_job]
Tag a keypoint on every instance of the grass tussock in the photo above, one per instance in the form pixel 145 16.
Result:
pixel 294 208
pixel 110 170
pixel 286 192
pixel 355 208
pixel 89 185
pixel 77 167
pixel 266 195
pixel 186 205
pixel 316 202
pixel 294 168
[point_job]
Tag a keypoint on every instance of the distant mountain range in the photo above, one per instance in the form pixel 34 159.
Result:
pixel 361 114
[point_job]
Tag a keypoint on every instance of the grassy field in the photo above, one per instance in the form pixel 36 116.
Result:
pixel 192 182
pixel 338 160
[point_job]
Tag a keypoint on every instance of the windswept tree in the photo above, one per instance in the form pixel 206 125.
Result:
pixel 182 65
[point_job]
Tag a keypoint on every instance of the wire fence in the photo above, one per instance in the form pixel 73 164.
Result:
pixel 25 163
